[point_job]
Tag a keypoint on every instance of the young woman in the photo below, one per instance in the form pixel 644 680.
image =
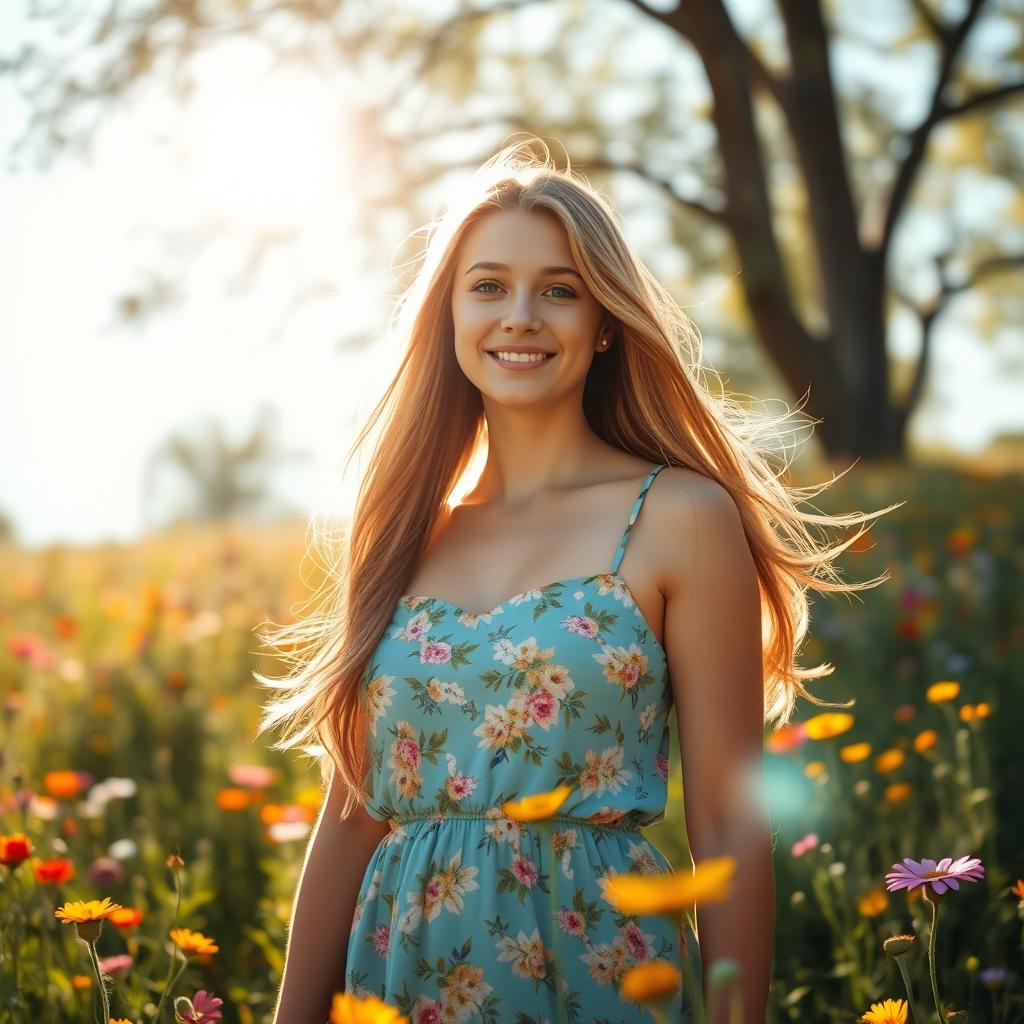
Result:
pixel 627 552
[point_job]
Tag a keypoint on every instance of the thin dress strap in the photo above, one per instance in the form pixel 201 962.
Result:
pixel 632 515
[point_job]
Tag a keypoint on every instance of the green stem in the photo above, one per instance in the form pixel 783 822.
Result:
pixel 94 959
pixel 905 974
pixel 694 985
pixel 931 955
pixel 174 953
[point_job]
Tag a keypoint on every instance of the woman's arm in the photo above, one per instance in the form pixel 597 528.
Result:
pixel 713 641
pixel 336 861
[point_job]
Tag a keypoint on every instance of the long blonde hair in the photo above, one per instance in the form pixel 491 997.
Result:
pixel 647 395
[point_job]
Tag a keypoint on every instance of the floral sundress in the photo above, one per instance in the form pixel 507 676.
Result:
pixel 465 914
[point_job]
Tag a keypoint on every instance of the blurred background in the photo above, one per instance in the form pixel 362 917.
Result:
pixel 207 211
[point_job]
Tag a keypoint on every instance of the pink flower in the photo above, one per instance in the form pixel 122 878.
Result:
pixel 525 871
pixel 428 1013
pixel 636 942
pixel 105 872
pixel 380 937
pixel 581 625
pixel 407 751
pixel 435 652
pixel 542 707
pixel 460 785
pixel 661 766
pixel 255 776
pixel 116 965
pixel 202 1008
pixel 571 922
pixel 946 874
pixel 801 846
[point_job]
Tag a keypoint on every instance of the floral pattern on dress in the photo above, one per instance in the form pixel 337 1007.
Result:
pixel 465 914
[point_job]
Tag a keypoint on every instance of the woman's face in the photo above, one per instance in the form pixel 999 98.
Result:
pixel 516 290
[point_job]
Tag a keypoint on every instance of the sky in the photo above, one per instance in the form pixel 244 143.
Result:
pixel 94 395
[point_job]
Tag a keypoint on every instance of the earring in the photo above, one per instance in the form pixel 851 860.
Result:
pixel 604 342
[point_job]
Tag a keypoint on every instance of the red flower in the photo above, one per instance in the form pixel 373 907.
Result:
pixel 54 872
pixel 15 848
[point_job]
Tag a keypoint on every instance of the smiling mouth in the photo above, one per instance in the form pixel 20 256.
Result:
pixel 526 364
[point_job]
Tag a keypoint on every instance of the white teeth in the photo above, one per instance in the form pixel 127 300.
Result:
pixel 521 357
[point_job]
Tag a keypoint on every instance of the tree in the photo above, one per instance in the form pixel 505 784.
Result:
pixel 821 283
pixel 208 477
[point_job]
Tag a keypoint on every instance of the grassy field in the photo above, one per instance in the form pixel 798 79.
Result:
pixel 129 720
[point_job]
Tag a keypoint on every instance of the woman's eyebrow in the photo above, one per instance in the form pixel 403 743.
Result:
pixel 487 265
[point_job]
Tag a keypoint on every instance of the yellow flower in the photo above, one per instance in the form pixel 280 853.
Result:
pixel 120 1020
pixel 87 915
pixel 889 760
pixel 670 893
pixel 872 903
pixel 650 982
pixel 939 693
pixel 925 740
pixel 193 942
pixel 892 1011
pixel 828 724
pixel 854 752
pixel 537 806
pixel 349 1009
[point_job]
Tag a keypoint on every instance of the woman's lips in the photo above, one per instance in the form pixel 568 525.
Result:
pixel 521 365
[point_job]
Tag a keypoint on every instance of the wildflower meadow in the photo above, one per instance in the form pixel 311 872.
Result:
pixel 150 842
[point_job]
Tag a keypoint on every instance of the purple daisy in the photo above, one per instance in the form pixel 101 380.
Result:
pixel 945 874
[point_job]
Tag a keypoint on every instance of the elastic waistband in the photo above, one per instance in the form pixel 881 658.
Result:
pixel 554 819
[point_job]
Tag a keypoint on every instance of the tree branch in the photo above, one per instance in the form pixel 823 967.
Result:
pixel 929 313
pixel 716 215
pixel 982 98
pixel 952 41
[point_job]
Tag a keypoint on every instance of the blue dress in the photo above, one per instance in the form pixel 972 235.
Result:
pixel 465 914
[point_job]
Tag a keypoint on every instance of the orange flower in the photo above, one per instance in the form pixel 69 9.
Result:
pixel 1018 889
pixel 897 793
pixel 971 712
pixel 925 740
pixel 872 903
pixel 940 693
pixel 232 799
pixel 80 981
pixel 347 1008
pixel 15 848
pixel 891 1011
pixel 889 761
pixel 962 539
pixel 814 768
pixel 650 982
pixel 786 738
pixel 193 942
pixel 126 917
pixel 65 626
pixel 88 915
pixel 668 893
pixel 64 785
pixel 54 872
pixel 829 724
pixel 854 752
pixel 537 806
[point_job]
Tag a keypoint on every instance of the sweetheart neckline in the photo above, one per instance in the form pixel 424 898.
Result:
pixel 545 586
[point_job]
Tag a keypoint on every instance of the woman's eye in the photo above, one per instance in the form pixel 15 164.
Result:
pixel 481 285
